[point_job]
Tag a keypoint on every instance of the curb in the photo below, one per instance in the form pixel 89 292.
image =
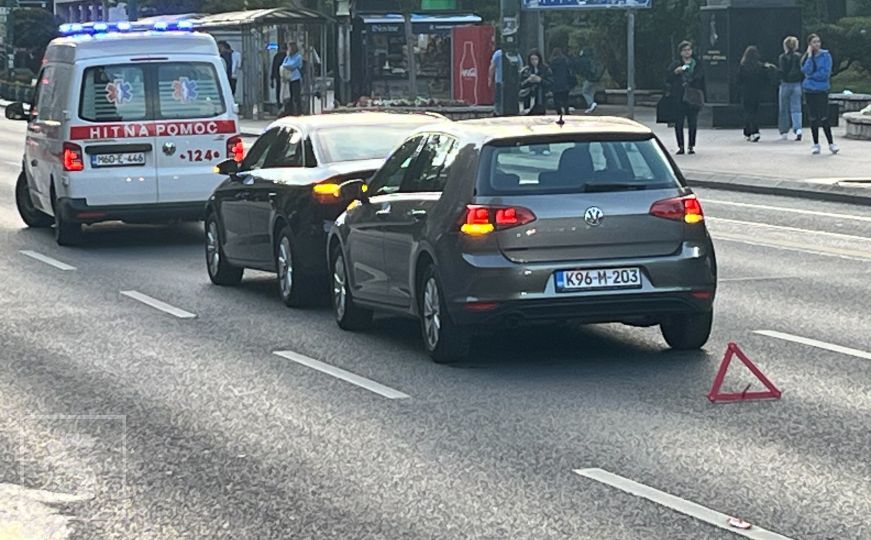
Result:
pixel 837 192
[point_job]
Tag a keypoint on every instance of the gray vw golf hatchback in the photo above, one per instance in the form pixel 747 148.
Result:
pixel 520 220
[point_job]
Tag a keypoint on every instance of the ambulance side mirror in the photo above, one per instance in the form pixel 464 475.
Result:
pixel 15 111
pixel 228 167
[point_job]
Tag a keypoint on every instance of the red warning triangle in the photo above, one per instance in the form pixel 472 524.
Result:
pixel 716 396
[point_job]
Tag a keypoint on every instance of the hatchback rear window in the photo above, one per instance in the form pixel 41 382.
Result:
pixel 577 167
pixel 113 94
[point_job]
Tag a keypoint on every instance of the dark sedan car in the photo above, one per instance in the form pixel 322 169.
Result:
pixel 518 220
pixel 273 211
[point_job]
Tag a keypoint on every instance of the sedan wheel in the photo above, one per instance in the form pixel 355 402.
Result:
pixel 220 271
pixel 295 289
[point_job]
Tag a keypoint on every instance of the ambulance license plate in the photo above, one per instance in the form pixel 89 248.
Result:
pixel 127 159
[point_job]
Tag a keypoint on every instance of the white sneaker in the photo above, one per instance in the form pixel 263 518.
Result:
pixel 833 148
pixel 784 136
pixel 593 107
pixel 815 149
pixel 755 138
pixel 747 138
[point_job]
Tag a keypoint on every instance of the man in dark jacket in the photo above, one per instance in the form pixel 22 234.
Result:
pixel 563 80
pixel 275 75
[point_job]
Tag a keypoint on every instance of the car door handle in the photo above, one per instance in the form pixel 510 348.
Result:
pixel 417 214
pixel 384 212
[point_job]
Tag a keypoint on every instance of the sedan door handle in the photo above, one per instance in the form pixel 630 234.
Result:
pixel 384 212
pixel 417 214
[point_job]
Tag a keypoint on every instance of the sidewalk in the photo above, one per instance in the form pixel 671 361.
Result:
pixel 724 160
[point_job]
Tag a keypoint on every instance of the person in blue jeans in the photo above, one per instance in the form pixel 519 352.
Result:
pixel 791 76
pixel 293 64
pixel 817 68
pixel 495 78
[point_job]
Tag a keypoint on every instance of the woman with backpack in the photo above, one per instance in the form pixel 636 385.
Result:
pixel 685 82
pixel 535 82
pixel 816 65
pixel 791 76
pixel 753 80
pixel 563 80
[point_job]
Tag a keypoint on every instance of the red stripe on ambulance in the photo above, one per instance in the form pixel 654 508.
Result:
pixel 129 130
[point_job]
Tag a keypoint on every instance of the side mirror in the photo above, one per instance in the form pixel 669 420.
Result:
pixel 354 190
pixel 227 167
pixel 15 111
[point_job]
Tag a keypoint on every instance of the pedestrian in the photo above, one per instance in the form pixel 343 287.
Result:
pixel 495 79
pixel 293 64
pixel 685 82
pixel 564 80
pixel 592 70
pixel 817 68
pixel 753 79
pixel 233 63
pixel 791 76
pixel 535 82
pixel 275 75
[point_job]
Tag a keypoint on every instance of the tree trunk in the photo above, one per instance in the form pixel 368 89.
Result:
pixel 411 61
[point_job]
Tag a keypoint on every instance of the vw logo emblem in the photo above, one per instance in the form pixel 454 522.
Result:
pixel 594 216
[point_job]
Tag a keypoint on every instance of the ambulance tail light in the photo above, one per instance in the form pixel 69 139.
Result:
pixel 72 157
pixel 235 148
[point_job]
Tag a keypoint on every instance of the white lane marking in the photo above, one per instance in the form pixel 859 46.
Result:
pixel 785 209
pixel 157 304
pixel 790 229
pixel 795 246
pixel 346 376
pixel 47 260
pixel 756 278
pixel 677 504
pixel 815 343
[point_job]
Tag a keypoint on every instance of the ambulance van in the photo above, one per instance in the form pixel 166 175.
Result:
pixel 126 124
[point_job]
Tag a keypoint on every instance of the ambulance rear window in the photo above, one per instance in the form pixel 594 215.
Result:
pixel 189 90
pixel 113 94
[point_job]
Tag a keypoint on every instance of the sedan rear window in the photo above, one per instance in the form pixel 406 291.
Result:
pixel 578 167
pixel 356 143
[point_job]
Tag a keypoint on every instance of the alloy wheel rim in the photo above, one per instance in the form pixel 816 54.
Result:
pixel 212 252
pixel 285 267
pixel 432 321
pixel 339 290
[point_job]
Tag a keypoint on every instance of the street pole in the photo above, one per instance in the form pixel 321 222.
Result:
pixel 630 70
pixel 132 10
pixel 511 62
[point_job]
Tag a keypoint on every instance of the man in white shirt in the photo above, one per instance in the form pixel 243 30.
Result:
pixel 233 62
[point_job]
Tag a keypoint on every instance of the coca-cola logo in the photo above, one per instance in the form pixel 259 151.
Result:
pixel 471 73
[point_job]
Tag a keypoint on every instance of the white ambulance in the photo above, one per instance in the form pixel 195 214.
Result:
pixel 126 124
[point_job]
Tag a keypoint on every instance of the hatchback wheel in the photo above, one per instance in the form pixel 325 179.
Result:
pixel 295 289
pixel 29 214
pixel 220 271
pixel 445 341
pixel 688 331
pixel 349 316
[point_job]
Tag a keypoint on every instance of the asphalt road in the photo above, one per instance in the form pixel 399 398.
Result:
pixel 119 420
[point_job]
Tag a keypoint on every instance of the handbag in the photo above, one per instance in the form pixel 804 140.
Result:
pixel 694 97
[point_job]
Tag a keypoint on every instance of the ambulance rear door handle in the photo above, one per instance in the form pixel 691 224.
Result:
pixel 34 163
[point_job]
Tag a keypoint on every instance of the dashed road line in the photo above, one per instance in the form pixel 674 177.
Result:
pixel 815 343
pixel 829 215
pixel 347 376
pixel 157 304
pixel 790 229
pixel 683 506
pixel 47 260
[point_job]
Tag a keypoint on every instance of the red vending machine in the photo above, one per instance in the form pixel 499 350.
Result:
pixel 472 48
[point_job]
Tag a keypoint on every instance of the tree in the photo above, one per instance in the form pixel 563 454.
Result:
pixel 33 29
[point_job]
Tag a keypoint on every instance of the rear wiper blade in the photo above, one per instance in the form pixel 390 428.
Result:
pixel 614 186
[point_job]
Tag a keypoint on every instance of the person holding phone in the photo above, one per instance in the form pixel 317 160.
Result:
pixel 536 79
pixel 685 81
pixel 816 64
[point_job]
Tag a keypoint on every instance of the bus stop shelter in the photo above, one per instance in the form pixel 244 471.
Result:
pixel 258 34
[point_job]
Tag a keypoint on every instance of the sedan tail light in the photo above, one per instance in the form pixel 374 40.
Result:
pixel 687 209
pixel 72 157
pixel 481 219
pixel 235 148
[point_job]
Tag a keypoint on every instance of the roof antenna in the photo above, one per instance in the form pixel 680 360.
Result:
pixel 560 122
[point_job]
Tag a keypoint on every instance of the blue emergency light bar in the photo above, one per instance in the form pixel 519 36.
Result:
pixel 93 28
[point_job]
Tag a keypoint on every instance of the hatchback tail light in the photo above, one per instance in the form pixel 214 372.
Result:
pixel 481 220
pixel 687 209
pixel 72 157
pixel 235 148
